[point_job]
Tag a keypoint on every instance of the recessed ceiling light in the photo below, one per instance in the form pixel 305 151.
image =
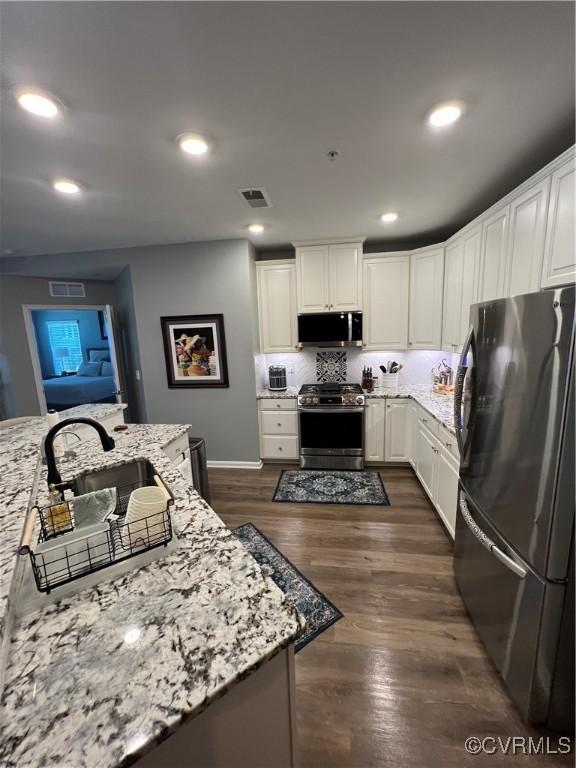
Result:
pixel 37 103
pixel 389 217
pixel 193 144
pixel 256 229
pixel 66 186
pixel 445 114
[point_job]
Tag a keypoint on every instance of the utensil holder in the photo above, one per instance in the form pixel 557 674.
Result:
pixel 389 381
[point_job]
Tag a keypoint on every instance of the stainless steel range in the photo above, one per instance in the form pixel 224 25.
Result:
pixel 331 420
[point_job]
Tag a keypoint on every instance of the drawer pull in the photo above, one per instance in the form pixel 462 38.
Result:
pixel 278 405
pixel 278 423
pixel 280 448
pixel 448 445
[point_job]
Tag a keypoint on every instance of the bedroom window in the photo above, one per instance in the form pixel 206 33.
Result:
pixel 64 336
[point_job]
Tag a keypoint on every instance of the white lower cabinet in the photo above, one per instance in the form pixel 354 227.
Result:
pixel 178 451
pixel 386 435
pixel 437 468
pixel 278 420
pixel 374 426
pixel 446 499
pixel 426 459
pixel 396 432
pixel 184 466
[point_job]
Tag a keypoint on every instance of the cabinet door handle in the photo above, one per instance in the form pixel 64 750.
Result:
pixel 326 306
pixel 279 424
pixel 448 445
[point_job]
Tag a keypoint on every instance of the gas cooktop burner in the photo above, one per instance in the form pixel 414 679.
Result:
pixel 331 395
pixel 332 386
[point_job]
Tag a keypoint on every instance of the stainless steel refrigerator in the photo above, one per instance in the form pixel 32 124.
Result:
pixel 514 548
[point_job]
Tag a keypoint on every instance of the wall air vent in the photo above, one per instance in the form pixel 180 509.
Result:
pixel 69 290
pixel 256 198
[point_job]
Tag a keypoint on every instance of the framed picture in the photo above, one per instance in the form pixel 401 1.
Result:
pixel 195 351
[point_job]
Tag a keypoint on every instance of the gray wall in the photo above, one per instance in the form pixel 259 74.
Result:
pixel 194 280
pixel 19 390
pixel 197 278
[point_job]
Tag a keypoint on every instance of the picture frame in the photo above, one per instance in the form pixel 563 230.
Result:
pixel 195 351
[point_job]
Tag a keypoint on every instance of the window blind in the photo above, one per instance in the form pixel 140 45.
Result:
pixel 64 336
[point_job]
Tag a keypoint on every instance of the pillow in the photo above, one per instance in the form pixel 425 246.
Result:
pixel 98 355
pixel 89 369
pixel 107 369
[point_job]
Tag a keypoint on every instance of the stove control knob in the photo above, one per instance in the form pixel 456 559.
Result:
pixel 359 400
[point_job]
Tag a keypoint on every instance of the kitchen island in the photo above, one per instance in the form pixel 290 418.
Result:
pixel 102 677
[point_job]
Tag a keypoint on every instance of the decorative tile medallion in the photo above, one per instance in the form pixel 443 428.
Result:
pixel 331 366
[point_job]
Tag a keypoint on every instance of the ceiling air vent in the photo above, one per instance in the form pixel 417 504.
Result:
pixel 61 289
pixel 256 198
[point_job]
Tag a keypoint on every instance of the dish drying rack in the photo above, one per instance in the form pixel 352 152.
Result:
pixel 113 542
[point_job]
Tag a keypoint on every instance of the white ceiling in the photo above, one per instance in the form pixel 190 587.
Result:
pixel 276 86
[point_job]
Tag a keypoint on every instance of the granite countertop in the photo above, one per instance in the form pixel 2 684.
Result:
pixel 267 394
pixel 19 452
pixel 103 675
pixel 439 406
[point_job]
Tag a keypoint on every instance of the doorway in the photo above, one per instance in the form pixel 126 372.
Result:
pixel 74 355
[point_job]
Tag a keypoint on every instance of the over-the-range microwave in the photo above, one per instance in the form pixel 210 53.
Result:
pixel 330 329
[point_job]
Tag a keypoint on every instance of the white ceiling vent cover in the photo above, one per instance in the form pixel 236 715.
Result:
pixel 256 198
pixel 70 290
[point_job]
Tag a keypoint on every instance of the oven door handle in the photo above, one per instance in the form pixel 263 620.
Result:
pixel 335 409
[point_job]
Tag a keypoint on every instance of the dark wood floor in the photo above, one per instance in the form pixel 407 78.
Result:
pixel 402 679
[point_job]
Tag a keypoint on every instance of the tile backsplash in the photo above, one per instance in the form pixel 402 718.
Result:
pixel 302 367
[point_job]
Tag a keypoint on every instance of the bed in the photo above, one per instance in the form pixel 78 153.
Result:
pixel 67 391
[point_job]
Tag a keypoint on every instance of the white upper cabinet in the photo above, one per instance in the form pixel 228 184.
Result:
pixel 470 279
pixel 312 264
pixel 494 251
pixel 453 261
pixel 329 277
pixel 386 294
pixel 345 277
pixel 528 214
pixel 426 295
pixel 277 307
pixel 560 249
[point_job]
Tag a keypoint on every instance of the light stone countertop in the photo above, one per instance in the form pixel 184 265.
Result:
pixel 107 673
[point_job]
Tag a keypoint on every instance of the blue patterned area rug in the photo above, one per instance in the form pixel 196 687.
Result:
pixel 312 604
pixel 312 486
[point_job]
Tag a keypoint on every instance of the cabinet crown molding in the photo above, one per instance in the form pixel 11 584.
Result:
pixel 329 241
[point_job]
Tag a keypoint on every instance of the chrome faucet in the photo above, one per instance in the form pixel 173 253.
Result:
pixel 53 475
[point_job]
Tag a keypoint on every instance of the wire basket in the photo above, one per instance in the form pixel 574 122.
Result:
pixel 59 559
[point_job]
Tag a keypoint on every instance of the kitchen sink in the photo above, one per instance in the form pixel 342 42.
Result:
pixel 124 477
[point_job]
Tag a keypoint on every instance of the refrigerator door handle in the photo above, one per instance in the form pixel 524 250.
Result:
pixel 487 542
pixel 508 562
pixel 459 391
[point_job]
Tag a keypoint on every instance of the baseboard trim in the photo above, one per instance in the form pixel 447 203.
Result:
pixel 234 464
